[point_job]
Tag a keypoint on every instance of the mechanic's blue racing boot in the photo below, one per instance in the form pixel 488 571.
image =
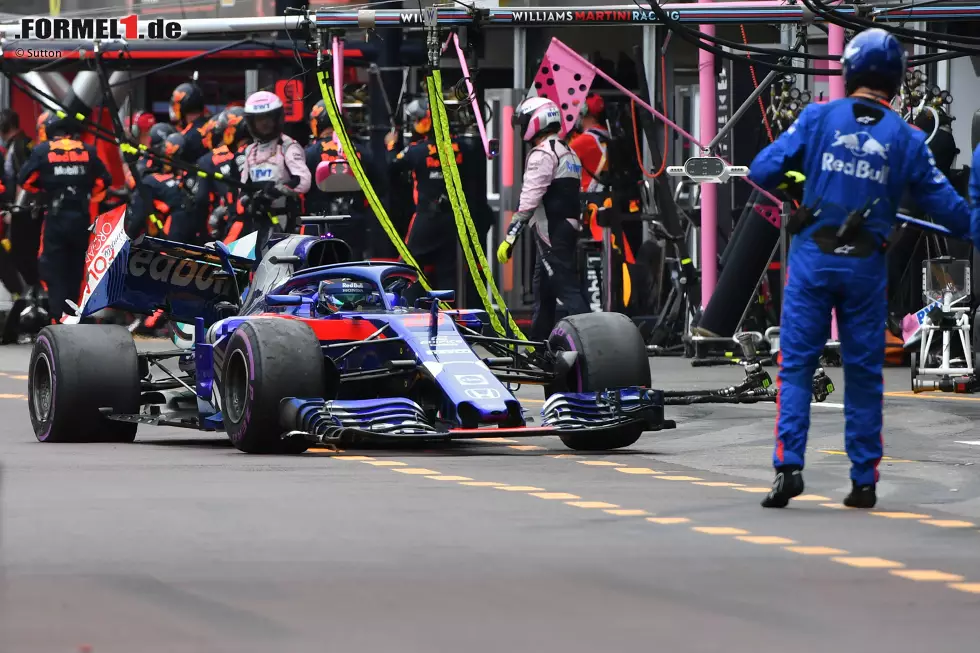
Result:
pixel 861 496
pixel 788 484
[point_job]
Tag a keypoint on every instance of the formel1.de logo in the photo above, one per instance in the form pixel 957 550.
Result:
pixel 44 28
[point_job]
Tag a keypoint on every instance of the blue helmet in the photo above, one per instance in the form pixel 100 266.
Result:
pixel 874 58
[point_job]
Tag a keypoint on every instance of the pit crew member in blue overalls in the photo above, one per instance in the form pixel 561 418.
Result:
pixel 858 157
pixel 975 190
pixel 550 204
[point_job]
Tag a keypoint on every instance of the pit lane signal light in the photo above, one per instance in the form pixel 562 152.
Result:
pixel 707 170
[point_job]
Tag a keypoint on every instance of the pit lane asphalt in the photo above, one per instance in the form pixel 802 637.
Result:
pixel 179 543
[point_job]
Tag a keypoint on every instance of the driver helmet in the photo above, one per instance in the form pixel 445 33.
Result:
pixel 234 131
pixel 537 116
pixel 875 59
pixel 170 147
pixel 319 120
pixel 187 98
pixel 419 115
pixel 216 130
pixel 61 127
pixel 593 106
pixel 345 295
pixel 140 124
pixel 264 116
pixel 44 122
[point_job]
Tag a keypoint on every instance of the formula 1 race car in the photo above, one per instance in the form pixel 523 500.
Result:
pixel 319 350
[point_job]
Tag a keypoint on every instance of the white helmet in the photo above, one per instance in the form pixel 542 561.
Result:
pixel 264 105
pixel 535 116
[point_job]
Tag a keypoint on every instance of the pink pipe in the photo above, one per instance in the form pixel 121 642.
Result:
pixel 338 83
pixel 709 192
pixel 670 123
pixel 835 47
pixel 469 89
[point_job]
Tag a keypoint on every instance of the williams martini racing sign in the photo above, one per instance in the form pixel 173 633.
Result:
pixel 87 29
pixel 557 16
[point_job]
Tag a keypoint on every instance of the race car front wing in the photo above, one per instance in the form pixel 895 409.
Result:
pixel 350 422
pixel 573 411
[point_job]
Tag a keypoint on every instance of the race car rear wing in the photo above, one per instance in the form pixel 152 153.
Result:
pixel 141 276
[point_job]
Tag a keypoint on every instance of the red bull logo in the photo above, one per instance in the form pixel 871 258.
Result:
pixel 860 144
pixel 861 169
pixel 867 150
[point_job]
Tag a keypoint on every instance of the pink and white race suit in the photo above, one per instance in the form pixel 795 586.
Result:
pixel 280 162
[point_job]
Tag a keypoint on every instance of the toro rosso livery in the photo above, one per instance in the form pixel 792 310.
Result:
pixel 305 347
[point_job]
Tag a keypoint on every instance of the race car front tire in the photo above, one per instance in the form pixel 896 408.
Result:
pixel 268 360
pixel 611 354
pixel 75 371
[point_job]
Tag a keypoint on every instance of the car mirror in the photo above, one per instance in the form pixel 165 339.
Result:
pixel 287 300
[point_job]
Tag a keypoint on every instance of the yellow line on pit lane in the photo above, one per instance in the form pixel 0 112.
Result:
pixel 908 394
pixel 896 569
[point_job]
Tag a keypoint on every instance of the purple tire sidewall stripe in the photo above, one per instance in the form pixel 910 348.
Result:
pixel 236 436
pixel 43 341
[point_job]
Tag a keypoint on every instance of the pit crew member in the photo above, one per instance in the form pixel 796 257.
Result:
pixel 18 148
pixel 432 236
pixel 70 175
pixel 209 192
pixel 274 166
pixel 189 116
pixel 858 157
pixel 550 204
pixel 162 206
pixel 228 221
pixel 323 148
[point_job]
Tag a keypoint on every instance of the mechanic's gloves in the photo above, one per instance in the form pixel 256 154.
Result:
pixel 504 252
pixel 793 184
pixel 216 222
pixel 131 155
pixel 517 225
pixel 282 190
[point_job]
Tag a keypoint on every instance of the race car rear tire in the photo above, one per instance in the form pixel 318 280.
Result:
pixel 76 370
pixel 611 354
pixel 266 361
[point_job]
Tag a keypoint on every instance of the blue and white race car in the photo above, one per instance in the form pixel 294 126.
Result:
pixel 318 350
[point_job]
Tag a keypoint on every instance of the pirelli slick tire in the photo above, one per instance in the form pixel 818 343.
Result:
pixel 611 354
pixel 75 371
pixel 266 361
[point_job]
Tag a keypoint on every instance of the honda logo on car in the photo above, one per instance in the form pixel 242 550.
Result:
pixel 176 272
pixel 483 393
